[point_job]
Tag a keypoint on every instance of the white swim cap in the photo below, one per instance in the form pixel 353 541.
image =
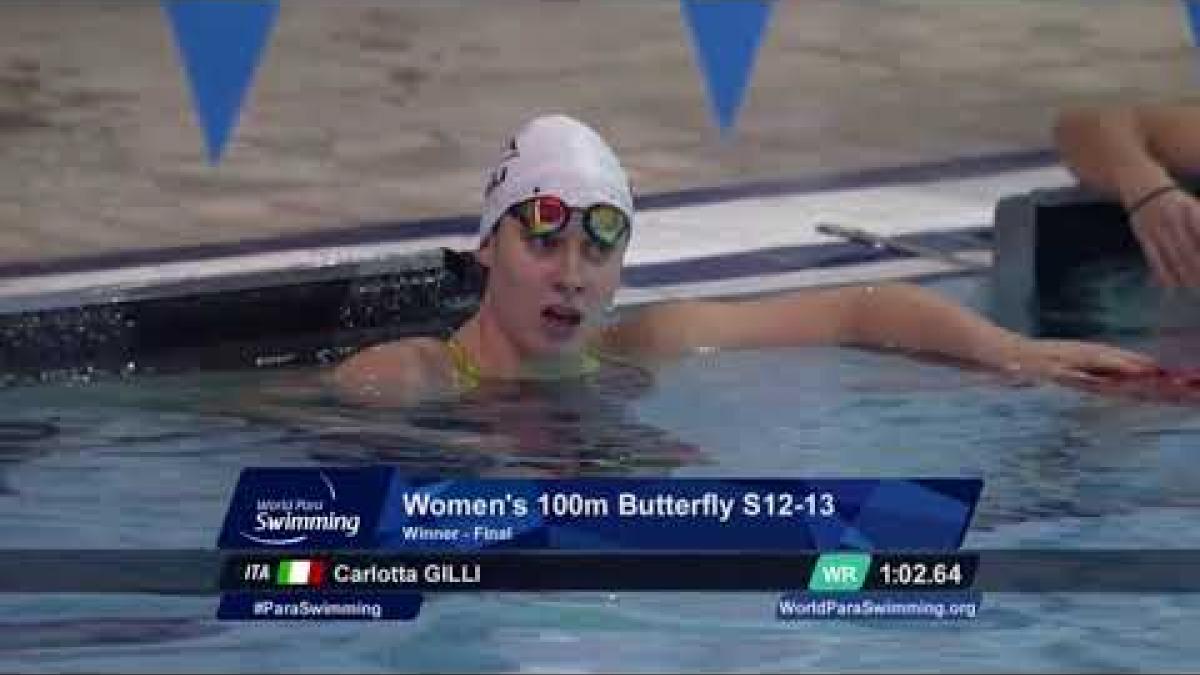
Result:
pixel 555 155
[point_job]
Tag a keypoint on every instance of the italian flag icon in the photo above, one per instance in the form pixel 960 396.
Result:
pixel 299 573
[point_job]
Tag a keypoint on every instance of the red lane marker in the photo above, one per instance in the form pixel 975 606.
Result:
pixel 1175 385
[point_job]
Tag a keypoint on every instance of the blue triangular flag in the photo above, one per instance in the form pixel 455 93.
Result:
pixel 726 35
pixel 220 43
pixel 1193 12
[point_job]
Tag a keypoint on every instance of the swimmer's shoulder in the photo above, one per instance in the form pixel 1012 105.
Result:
pixel 400 371
pixel 653 333
pixel 678 328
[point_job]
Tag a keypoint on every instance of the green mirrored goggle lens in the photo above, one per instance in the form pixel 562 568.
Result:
pixel 606 223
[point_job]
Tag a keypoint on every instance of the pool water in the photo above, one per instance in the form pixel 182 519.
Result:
pixel 150 463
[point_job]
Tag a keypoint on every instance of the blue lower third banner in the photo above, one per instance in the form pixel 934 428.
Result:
pixel 262 606
pixel 913 606
pixel 607 571
pixel 380 509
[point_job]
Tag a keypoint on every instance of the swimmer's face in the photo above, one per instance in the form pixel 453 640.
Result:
pixel 547 291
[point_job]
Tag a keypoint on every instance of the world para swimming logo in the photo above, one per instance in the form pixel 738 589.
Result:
pixel 308 509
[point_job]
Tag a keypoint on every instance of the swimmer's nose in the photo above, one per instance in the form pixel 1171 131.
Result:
pixel 570 279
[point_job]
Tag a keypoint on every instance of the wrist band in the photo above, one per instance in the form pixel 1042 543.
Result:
pixel 1151 196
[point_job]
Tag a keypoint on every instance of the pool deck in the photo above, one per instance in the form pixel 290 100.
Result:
pixel 774 245
pixel 370 119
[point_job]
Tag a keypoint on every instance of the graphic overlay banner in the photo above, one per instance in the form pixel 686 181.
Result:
pixel 325 508
pixel 946 606
pixel 343 543
pixel 197 572
pixel 525 571
pixel 376 509
pixel 319 606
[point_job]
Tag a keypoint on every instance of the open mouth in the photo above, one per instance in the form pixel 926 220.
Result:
pixel 562 316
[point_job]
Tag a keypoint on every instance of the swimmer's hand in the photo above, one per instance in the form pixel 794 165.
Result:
pixel 1073 363
pixel 1168 229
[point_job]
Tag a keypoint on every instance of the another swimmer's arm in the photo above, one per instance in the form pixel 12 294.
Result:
pixel 1134 154
pixel 1127 152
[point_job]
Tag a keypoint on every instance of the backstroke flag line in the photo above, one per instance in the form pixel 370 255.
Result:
pixel 726 35
pixel 1192 7
pixel 220 44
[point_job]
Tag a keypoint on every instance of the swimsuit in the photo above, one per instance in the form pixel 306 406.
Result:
pixel 467 375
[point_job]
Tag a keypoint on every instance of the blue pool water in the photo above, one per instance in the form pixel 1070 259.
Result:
pixel 150 463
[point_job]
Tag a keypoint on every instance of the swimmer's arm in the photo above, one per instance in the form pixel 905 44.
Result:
pixel 889 316
pixel 910 318
pixel 1126 152
pixel 913 319
pixel 390 374
pixel 672 329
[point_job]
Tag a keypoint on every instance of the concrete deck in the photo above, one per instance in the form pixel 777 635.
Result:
pixel 392 110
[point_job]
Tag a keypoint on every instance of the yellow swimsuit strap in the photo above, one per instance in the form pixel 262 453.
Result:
pixel 591 361
pixel 466 371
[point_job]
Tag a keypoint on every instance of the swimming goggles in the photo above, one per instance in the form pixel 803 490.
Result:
pixel 547 215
